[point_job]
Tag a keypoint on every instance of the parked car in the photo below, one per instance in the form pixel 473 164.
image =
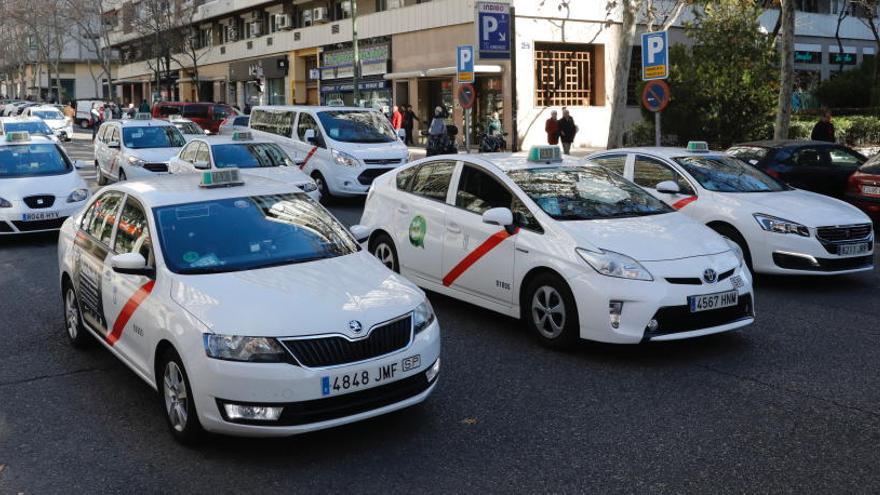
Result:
pixel 863 190
pixel 234 123
pixel 209 116
pixel 52 116
pixel 812 165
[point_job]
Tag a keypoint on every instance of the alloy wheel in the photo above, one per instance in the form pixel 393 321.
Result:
pixel 176 397
pixel 548 312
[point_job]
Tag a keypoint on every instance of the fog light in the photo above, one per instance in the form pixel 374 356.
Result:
pixel 255 413
pixel 653 325
pixel 614 310
pixel 433 371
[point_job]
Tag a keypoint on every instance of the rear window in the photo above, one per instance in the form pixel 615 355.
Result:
pixel 872 166
pixel 748 154
pixel 222 111
pixel 196 111
pixel 169 110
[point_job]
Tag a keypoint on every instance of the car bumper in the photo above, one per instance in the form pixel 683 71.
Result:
pixel 132 172
pixel 788 254
pixel 12 219
pixel 660 300
pixel 353 181
pixel 298 391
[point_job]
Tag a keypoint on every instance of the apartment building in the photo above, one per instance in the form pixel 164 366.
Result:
pixel 300 52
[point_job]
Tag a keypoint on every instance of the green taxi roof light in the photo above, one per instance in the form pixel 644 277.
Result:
pixel 698 146
pixel 242 136
pixel 143 116
pixel 226 177
pixel 545 154
pixel 18 136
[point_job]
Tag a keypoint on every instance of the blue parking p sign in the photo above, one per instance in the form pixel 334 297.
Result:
pixel 655 55
pixel 465 63
pixel 493 29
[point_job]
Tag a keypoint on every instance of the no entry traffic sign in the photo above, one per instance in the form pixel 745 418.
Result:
pixel 466 95
pixel 655 96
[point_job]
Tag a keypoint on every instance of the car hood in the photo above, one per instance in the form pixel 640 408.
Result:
pixel 301 299
pixel 59 186
pixel 57 124
pixel 291 175
pixel 157 155
pixel 649 238
pixel 804 207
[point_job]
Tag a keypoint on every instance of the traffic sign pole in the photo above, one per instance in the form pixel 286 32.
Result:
pixel 656 128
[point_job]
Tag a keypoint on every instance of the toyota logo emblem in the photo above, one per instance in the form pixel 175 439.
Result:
pixel 355 326
pixel 710 276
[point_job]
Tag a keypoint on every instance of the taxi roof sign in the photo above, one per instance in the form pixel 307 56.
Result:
pixel 18 136
pixel 698 146
pixel 225 177
pixel 143 116
pixel 545 154
pixel 242 136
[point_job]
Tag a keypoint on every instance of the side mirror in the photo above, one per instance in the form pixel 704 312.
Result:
pixel 80 164
pixel 668 187
pixel 202 165
pixel 207 132
pixel 310 135
pixel 360 233
pixel 130 264
pixel 401 133
pixel 498 216
pixel 113 145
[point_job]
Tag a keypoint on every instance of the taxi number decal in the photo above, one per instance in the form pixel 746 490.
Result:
pixel 128 310
pixel 475 255
pixel 684 202
pixel 308 157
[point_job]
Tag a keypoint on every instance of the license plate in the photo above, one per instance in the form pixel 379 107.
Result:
pixel 43 215
pixel 368 377
pixel 708 302
pixel 872 190
pixel 853 249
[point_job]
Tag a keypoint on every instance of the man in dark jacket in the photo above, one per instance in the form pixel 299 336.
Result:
pixel 144 107
pixel 567 131
pixel 824 129
pixel 409 118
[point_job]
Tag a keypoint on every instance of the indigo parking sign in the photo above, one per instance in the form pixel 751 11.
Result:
pixel 493 30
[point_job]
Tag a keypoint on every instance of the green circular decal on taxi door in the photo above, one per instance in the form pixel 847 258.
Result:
pixel 417 230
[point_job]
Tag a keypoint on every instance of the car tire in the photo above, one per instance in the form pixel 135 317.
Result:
pixel 122 176
pixel 382 247
pixel 77 334
pixel 550 312
pixel 321 182
pixel 176 399
pixel 734 235
pixel 101 179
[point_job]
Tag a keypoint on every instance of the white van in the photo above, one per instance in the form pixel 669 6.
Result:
pixel 342 148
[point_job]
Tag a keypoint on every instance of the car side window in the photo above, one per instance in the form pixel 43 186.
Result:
pixel 844 158
pixel 133 232
pixel 189 152
pixel 432 180
pixel 404 178
pixel 114 134
pixel 807 157
pixel 305 123
pixel 614 163
pixel 202 154
pixel 648 172
pixel 100 222
pixel 478 191
pixel 523 217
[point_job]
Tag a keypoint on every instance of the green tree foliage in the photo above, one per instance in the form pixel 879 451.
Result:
pixel 848 89
pixel 724 87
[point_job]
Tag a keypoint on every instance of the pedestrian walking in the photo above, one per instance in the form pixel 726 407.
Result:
pixel 396 118
pixel 551 127
pixel 409 118
pixel 824 129
pixel 145 107
pixel 70 111
pixel 97 114
pixel 567 131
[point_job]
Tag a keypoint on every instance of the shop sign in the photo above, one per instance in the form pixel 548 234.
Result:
pixel 805 57
pixel 842 58
pixel 368 53
pixel 349 87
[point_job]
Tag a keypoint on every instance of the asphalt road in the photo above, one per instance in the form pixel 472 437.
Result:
pixel 787 405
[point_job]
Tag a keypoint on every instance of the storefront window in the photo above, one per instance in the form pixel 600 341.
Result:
pixel 275 88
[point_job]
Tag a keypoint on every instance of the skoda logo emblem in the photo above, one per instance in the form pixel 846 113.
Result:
pixel 355 326
pixel 710 276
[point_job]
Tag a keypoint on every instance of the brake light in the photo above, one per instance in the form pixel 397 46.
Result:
pixel 854 184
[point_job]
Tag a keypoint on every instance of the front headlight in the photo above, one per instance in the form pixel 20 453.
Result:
pixel 78 195
pixel 423 316
pixel 137 162
pixel 781 225
pixel 308 187
pixel 616 265
pixel 736 249
pixel 344 159
pixel 239 348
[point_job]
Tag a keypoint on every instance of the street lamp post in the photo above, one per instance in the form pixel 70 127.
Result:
pixel 356 59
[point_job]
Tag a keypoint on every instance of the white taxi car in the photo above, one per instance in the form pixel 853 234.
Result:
pixel 52 116
pixel 575 251
pixel 135 149
pixel 39 185
pixel 242 151
pixel 780 229
pixel 249 307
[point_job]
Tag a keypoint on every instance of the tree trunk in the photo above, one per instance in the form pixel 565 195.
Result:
pixel 786 74
pixel 621 73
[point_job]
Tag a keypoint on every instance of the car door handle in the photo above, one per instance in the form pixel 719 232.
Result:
pixel 403 209
pixel 454 228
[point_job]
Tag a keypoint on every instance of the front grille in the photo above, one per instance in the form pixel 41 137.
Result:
pixel 845 233
pixel 55 223
pixel 331 351
pixel 39 201
pixel 791 262
pixel 698 281
pixel 675 319
pixel 156 167
pixel 5 227
pixel 383 161
pixel 314 411
pixel 366 178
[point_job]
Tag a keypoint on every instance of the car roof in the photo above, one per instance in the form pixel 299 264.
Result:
pixel 34 139
pixel 667 152
pixel 44 107
pixel 784 143
pixel 175 189
pixel 223 139
pixel 20 118
pixel 141 123
pixel 507 161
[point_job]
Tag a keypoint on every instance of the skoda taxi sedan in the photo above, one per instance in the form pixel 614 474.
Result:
pixel 574 251
pixel 247 306
pixel 780 229
pixel 39 185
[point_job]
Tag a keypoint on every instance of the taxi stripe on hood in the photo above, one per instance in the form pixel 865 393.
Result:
pixel 128 310
pixel 681 203
pixel 474 256
pixel 308 157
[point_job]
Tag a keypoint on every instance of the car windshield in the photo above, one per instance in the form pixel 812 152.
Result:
pixel 166 136
pixel 189 128
pixel 48 115
pixel 26 160
pixel 586 193
pixel 357 126
pixel 254 155
pixel 725 174
pixel 279 229
pixel 35 127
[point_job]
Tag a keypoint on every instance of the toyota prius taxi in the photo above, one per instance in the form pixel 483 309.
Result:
pixel 574 251
pixel 39 185
pixel 246 305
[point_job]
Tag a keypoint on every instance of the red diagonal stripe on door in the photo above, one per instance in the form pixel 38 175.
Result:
pixel 681 203
pixel 308 156
pixel 475 255
pixel 128 310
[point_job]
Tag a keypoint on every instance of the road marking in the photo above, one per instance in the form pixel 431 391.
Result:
pixel 475 255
